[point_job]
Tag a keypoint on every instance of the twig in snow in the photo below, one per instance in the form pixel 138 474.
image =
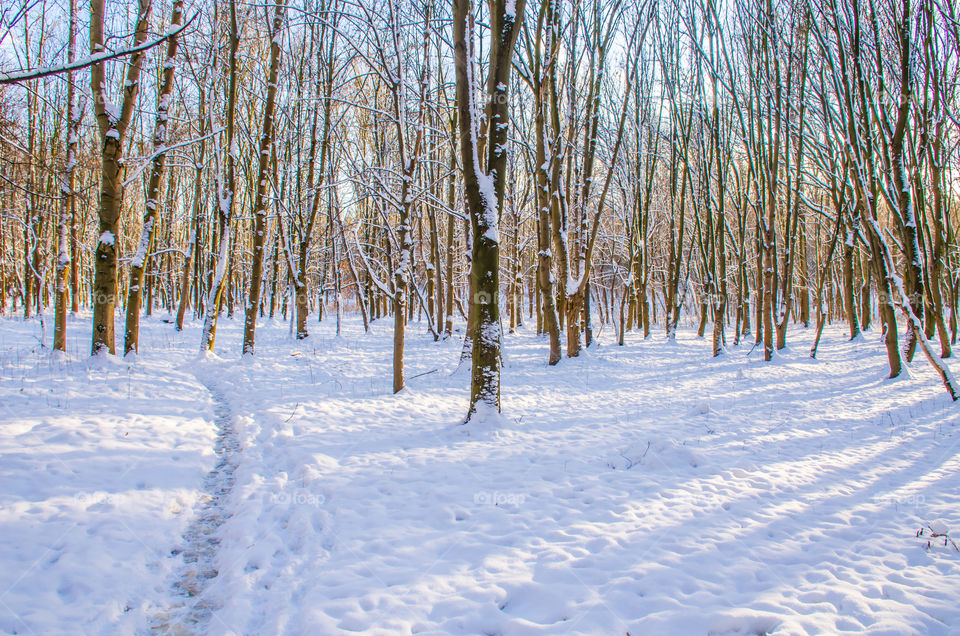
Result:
pixel 933 534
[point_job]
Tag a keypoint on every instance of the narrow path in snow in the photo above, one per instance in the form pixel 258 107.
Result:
pixel 202 538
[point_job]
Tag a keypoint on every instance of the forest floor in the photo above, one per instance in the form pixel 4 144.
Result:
pixel 643 489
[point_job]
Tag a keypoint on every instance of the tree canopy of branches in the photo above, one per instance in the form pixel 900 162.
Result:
pixel 753 166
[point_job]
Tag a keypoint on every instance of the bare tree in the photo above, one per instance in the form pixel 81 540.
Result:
pixel 131 337
pixel 263 171
pixel 484 184
pixel 68 200
pixel 113 123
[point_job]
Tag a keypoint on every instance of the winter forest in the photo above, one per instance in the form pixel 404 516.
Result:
pixel 479 317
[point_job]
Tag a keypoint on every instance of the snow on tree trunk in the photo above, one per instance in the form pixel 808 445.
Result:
pixel 484 185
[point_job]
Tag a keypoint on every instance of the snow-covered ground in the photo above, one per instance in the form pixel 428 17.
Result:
pixel 644 489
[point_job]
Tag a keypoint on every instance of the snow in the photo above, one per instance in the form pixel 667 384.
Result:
pixel 98 479
pixel 485 181
pixel 939 527
pixel 107 238
pixel 113 113
pixel 140 256
pixel 648 488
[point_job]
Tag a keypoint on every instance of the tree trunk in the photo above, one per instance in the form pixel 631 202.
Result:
pixel 848 293
pixel 131 339
pixel 67 212
pixel 451 235
pixel 226 203
pixel 193 247
pixel 113 128
pixel 484 188
pixel 260 203
pixel 885 284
